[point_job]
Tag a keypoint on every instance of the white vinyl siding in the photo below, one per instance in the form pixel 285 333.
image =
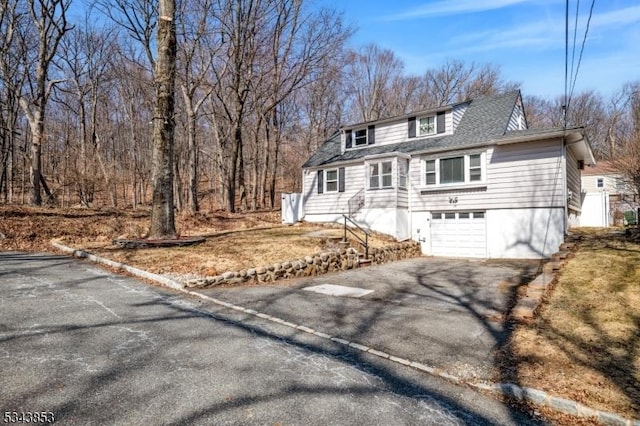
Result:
pixel 590 183
pixel 331 202
pixel 398 131
pixel 517 120
pixel 456 116
pixel 573 182
pixel 518 175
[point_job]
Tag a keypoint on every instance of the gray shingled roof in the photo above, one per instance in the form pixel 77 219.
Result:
pixel 484 120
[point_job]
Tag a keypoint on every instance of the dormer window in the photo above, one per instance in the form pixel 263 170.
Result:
pixel 427 126
pixel 360 137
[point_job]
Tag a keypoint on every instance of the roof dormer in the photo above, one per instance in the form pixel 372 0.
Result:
pixel 426 125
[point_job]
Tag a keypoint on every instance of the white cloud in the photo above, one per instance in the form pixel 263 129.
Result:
pixel 628 15
pixel 453 7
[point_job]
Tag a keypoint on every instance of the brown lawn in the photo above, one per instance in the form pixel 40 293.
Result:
pixel 585 343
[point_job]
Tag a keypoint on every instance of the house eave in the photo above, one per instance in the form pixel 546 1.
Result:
pixel 574 138
pixel 333 164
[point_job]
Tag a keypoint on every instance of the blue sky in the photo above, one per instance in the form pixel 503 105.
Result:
pixel 525 38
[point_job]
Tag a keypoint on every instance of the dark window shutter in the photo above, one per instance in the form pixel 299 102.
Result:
pixel 341 179
pixel 371 135
pixel 412 127
pixel 440 125
pixel 348 138
pixel 320 182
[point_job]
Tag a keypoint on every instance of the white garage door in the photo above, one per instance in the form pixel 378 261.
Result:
pixel 459 234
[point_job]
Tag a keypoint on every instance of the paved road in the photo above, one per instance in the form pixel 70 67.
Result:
pixel 96 348
pixel 445 313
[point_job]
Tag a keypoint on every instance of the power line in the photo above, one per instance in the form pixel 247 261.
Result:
pixel 571 79
pixel 584 41
pixel 575 36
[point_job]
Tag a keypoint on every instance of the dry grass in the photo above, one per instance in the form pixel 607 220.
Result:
pixel 233 241
pixel 585 344
pixel 230 251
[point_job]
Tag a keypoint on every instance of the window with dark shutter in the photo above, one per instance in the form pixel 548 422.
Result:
pixel 341 179
pixel 348 139
pixel 412 127
pixel 441 126
pixel 371 137
pixel 320 182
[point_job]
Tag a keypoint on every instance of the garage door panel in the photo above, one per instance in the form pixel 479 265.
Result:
pixel 460 234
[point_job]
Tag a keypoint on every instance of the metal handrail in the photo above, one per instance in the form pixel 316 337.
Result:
pixel 364 242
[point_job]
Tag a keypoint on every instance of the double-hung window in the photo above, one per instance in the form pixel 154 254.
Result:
pixel 332 181
pixel 360 137
pixel 380 175
pixel 427 126
pixel 454 170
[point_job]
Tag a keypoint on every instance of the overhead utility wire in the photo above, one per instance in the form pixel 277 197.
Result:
pixel 584 40
pixel 573 53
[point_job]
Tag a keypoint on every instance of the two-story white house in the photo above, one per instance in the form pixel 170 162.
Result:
pixel 467 180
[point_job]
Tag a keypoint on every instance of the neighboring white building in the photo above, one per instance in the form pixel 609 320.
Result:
pixel 466 180
pixel 605 196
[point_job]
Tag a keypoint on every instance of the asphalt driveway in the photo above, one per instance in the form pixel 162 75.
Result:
pixel 96 348
pixel 445 313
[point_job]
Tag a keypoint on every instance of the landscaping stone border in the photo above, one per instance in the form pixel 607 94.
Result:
pixel 317 264
pixel 528 305
pixel 509 390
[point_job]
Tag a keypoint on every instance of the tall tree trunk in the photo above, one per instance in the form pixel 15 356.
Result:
pixel 192 201
pixel 233 161
pixel 37 130
pixel 162 214
pixel 241 181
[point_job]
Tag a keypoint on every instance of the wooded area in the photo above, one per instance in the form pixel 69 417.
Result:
pixel 259 85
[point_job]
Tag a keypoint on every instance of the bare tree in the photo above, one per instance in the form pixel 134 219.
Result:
pixel 369 76
pixel 627 154
pixel 445 85
pixel 85 57
pixel 50 21
pixel 11 18
pixel 139 19
pixel 162 214
pixel 586 110
pixel 197 46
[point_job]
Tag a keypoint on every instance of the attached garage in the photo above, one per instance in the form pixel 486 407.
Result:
pixel 459 234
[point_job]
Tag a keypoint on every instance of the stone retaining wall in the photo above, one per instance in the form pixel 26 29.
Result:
pixel 318 264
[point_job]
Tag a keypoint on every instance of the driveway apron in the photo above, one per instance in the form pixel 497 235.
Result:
pixel 445 313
